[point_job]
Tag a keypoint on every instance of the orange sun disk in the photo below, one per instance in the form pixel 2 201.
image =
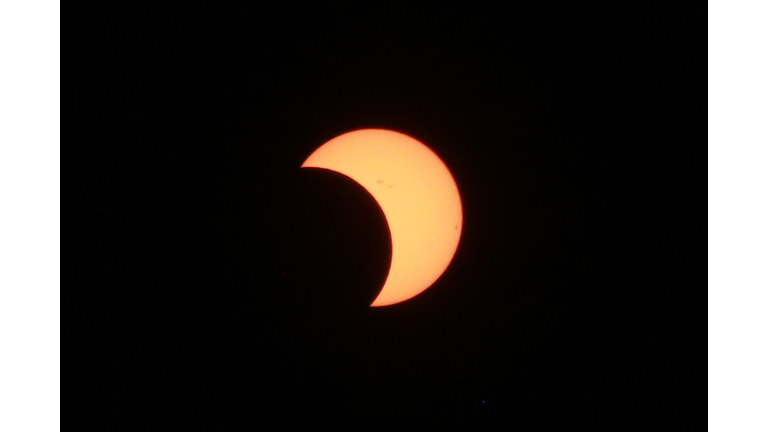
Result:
pixel 417 194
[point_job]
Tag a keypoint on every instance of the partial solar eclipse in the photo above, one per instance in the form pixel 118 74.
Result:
pixel 417 194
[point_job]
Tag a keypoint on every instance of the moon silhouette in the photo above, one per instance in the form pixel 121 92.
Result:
pixel 417 195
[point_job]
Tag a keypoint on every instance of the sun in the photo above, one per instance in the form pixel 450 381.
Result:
pixel 417 194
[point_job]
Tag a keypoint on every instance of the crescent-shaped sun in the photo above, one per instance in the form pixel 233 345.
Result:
pixel 417 194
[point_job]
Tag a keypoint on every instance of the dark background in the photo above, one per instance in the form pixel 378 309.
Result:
pixel 209 273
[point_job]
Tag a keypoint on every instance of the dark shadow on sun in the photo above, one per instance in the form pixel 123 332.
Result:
pixel 337 247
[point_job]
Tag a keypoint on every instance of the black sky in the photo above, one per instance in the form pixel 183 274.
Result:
pixel 209 272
